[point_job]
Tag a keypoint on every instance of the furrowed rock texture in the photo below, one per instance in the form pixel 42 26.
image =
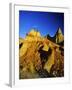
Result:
pixel 39 57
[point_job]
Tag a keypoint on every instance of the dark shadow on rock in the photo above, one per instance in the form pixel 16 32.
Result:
pixel 44 74
pixel 44 55
pixel 20 45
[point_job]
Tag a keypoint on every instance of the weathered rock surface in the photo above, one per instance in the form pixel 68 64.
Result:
pixel 39 57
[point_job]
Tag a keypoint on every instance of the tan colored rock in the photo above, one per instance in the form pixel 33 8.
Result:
pixel 30 60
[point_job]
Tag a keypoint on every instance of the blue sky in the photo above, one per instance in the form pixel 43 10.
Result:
pixel 44 22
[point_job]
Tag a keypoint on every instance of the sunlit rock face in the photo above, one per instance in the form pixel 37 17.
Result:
pixel 39 57
pixel 33 35
pixel 59 36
